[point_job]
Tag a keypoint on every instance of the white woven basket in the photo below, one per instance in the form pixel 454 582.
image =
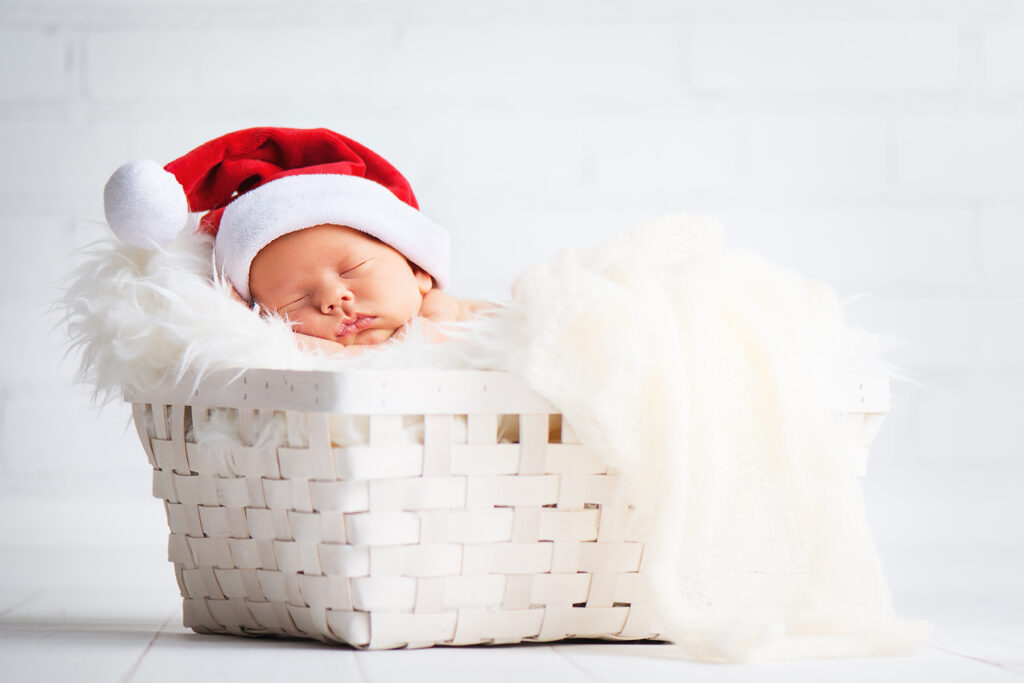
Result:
pixel 445 542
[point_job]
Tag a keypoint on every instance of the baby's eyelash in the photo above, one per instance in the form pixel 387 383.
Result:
pixel 292 303
pixel 347 270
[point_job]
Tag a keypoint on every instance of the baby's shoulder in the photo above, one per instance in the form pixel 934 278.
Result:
pixel 439 305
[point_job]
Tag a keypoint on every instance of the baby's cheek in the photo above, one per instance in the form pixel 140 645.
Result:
pixel 302 324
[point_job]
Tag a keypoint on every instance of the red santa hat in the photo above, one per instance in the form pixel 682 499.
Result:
pixel 261 183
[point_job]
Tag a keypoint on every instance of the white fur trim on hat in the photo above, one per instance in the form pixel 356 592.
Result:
pixel 258 217
pixel 144 204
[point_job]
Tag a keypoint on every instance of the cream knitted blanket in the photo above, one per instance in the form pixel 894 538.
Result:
pixel 710 379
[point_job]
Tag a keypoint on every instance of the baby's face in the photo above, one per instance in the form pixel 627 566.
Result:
pixel 338 283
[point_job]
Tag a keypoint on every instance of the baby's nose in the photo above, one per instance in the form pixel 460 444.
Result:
pixel 332 298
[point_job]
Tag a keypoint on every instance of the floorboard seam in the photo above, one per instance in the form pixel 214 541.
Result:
pixel 21 603
pixel 363 678
pixel 976 659
pixel 573 663
pixel 138 662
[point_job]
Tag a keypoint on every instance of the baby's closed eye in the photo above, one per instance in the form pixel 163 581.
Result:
pixel 292 304
pixel 345 270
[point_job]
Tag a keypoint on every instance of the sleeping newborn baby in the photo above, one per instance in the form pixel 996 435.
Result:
pixel 342 289
pixel 308 224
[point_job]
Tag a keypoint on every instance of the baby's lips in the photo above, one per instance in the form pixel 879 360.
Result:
pixel 360 323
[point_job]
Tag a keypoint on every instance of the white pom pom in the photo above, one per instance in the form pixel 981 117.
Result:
pixel 145 205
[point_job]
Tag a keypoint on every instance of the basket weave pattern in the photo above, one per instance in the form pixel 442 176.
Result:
pixel 382 545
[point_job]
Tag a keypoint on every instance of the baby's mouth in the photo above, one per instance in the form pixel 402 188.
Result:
pixel 361 322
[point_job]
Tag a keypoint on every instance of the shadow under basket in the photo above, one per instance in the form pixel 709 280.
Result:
pixel 469 513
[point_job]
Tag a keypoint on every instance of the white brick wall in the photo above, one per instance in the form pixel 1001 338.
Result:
pixel 1002 245
pixel 1003 54
pixel 968 155
pixel 806 157
pixel 662 157
pixel 878 249
pixel 827 56
pixel 878 146
pixel 126 64
pixel 536 61
pixel 34 64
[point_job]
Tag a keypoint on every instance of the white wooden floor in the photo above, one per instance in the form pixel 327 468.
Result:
pixel 87 595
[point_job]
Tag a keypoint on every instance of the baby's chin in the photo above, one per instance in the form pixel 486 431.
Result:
pixel 368 337
pixel 372 335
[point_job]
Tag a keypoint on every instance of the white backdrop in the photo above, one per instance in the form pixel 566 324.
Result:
pixel 877 145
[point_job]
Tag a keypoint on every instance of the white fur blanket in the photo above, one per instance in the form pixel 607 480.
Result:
pixel 707 376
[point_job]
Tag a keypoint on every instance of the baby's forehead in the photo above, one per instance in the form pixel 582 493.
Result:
pixel 317 241
pixel 339 236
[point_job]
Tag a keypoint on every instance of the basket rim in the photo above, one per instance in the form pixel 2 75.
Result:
pixel 425 391
pixel 355 391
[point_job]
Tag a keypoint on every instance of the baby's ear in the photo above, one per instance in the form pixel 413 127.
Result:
pixel 423 278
